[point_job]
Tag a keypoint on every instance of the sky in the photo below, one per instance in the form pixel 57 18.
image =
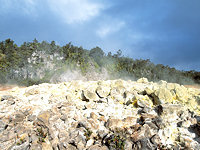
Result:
pixel 164 31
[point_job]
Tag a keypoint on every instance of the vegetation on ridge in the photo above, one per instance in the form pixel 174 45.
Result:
pixel 35 62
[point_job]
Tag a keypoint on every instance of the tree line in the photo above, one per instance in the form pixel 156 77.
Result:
pixel 37 62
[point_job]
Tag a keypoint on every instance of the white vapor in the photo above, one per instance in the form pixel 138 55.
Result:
pixel 69 11
pixel 109 28
pixel 75 11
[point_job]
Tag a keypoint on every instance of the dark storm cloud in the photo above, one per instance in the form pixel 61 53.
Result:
pixel 164 31
pixel 169 32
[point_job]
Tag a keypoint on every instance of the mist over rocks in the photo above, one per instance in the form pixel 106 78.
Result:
pixel 110 114
pixel 37 62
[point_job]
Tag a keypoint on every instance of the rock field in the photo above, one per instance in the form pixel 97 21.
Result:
pixel 100 115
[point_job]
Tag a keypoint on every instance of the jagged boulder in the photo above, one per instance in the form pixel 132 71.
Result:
pixel 112 114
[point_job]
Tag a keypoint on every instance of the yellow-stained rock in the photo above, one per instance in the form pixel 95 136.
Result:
pixel 103 91
pixel 90 94
pixel 165 95
pixel 32 91
pixel 181 93
pixel 149 90
pixel 44 117
pixel 142 80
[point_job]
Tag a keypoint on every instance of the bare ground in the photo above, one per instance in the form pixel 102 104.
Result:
pixel 197 86
pixel 5 88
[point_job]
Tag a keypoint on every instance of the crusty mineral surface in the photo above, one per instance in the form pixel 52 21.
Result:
pixel 100 115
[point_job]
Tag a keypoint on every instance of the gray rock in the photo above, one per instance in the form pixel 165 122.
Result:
pixel 143 144
pixel 155 139
pixel 43 117
pixel 36 147
pixel 103 91
pixel 10 102
pixel 102 133
pixel 19 117
pixel 89 94
pixel 114 123
pixel 7 97
pixel 2 126
pixel 128 145
pixel 19 129
pixel 143 103
pixel 24 146
pixel 98 147
pixel 33 138
pixel 31 118
pixel 7 136
pixel 71 147
pixel 78 138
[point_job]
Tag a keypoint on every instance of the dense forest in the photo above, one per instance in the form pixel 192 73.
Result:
pixel 35 62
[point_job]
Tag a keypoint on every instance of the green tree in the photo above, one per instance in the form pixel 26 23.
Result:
pixel 97 54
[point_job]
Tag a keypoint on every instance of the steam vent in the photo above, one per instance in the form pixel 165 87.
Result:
pixel 100 115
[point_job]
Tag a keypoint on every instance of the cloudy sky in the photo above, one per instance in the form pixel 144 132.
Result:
pixel 164 31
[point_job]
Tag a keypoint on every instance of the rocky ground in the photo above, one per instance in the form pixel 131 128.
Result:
pixel 100 115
